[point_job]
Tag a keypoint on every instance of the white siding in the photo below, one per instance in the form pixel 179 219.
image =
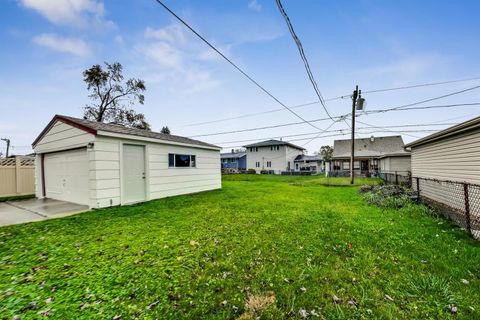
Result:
pixel 62 137
pixel 105 173
pixel 161 180
pixel 455 158
pixel 279 158
pixel 164 181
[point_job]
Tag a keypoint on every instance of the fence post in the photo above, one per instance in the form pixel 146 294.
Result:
pixel 418 188
pixel 467 207
pixel 396 178
pixel 18 164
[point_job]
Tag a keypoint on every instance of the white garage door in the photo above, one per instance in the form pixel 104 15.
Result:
pixel 66 176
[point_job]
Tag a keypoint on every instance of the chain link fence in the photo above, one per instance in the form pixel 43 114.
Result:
pixel 403 178
pixel 457 201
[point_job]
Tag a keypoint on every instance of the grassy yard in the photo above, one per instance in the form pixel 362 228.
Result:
pixel 274 247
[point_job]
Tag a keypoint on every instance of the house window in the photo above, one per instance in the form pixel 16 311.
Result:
pixel 181 160
pixel 253 149
pixel 274 148
pixel 257 164
pixel 346 165
pixel 296 166
pixel 356 165
pixel 269 164
pixel 234 160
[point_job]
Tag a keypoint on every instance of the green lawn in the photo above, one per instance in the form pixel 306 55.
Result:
pixel 263 246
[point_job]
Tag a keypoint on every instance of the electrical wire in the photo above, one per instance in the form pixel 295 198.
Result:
pixel 303 56
pixel 341 130
pixel 332 99
pixel 235 65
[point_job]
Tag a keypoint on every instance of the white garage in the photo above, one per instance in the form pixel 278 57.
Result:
pixel 101 165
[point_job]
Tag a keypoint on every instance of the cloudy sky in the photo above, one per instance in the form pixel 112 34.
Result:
pixel 46 44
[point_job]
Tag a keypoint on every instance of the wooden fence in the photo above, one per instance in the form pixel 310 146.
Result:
pixel 17 176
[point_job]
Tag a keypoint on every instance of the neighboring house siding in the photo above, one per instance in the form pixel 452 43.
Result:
pixel 391 164
pixel 264 155
pixel 291 154
pixel 62 137
pixel 455 158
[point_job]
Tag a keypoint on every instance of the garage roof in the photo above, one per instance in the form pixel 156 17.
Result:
pixel 459 128
pixel 94 127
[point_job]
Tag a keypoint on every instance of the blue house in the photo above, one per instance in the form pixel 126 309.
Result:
pixel 234 161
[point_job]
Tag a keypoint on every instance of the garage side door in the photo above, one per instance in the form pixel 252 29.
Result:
pixel 66 176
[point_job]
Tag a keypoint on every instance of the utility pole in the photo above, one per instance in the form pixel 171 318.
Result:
pixel 357 104
pixel 8 145
pixel 352 156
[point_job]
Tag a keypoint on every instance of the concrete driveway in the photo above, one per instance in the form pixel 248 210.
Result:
pixel 16 212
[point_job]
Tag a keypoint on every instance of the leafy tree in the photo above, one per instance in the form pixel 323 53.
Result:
pixel 112 97
pixel 165 130
pixel 326 152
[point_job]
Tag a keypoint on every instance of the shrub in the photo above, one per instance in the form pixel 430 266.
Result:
pixel 387 196
pixel 251 171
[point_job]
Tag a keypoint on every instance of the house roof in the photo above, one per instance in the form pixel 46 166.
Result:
pixel 365 147
pixel 230 155
pixel 396 154
pixel 459 128
pixel 304 157
pixel 94 127
pixel 272 142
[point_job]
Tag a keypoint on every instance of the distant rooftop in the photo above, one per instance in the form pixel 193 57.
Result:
pixel 304 157
pixel 272 142
pixel 369 147
pixel 230 155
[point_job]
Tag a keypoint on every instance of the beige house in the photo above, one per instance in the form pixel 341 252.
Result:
pixel 102 165
pixel 451 154
pixel 272 156
pixel 368 151
pixel 395 162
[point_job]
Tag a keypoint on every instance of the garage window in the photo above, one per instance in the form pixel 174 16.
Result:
pixel 181 160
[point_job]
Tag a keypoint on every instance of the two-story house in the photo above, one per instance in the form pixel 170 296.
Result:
pixel 272 156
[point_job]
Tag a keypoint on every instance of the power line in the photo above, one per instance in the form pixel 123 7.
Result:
pixel 340 134
pixel 263 128
pixel 432 99
pixel 330 99
pixel 338 117
pixel 420 85
pixel 303 57
pixel 235 65
pixel 423 107
pixel 341 130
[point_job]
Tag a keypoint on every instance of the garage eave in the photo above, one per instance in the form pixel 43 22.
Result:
pixel 140 138
pixel 64 120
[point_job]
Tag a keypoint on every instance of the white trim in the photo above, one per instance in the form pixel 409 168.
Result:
pixel 139 138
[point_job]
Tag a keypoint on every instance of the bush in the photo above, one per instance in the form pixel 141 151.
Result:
pixel 387 196
pixel 251 171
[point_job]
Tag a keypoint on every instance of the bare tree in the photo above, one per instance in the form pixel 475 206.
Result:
pixel 114 97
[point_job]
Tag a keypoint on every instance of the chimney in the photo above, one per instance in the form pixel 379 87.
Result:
pixel 372 139
pixel 233 150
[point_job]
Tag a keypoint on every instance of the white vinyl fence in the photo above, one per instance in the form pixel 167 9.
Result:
pixel 17 176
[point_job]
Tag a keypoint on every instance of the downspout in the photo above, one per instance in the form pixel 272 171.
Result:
pixel 44 193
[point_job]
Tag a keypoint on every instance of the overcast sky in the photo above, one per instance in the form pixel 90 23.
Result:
pixel 46 44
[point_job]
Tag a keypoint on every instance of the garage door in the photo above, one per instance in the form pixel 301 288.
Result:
pixel 66 176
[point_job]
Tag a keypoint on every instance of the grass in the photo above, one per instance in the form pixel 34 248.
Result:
pixel 14 198
pixel 263 246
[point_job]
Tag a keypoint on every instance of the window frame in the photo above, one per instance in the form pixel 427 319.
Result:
pixel 192 161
